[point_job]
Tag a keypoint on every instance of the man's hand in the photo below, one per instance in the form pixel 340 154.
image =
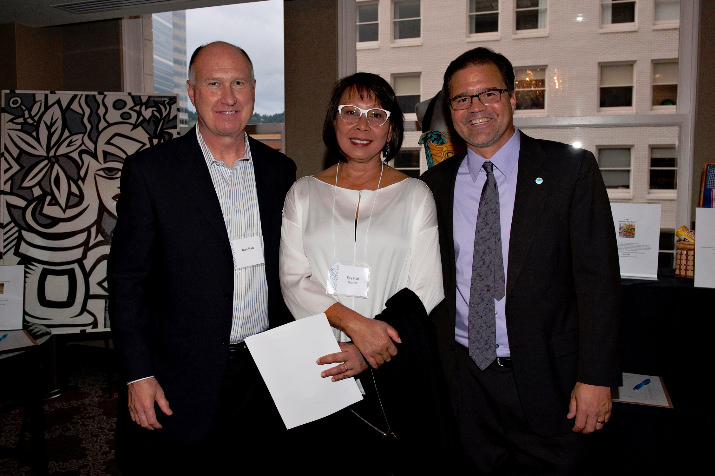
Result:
pixel 591 406
pixel 349 359
pixel 142 395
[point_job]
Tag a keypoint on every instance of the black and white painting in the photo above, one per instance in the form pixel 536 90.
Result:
pixel 62 156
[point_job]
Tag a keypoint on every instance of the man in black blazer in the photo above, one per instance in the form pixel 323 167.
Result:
pixel 557 325
pixel 193 270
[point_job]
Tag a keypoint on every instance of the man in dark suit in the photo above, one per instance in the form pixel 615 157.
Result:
pixel 530 376
pixel 193 271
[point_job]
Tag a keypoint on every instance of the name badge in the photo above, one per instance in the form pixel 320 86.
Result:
pixel 348 280
pixel 247 251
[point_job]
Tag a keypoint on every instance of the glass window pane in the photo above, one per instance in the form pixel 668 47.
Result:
pixel 367 13
pixel 367 32
pixel 617 97
pixel 527 20
pixel 526 99
pixel 665 95
pixel 407 9
pixel 667 10
pixel 476 6
pixel 407 29
pixel 618 11
pixel 405 85
pixel 614 157
pixel 527 3
pixel 665 73
pixel 617 75
pixel 617 178
pixel 408 103
pixel 663 179
pixel 408 158
pixel 484 23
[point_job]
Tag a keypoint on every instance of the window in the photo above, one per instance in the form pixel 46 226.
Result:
pixel 530 87
pixel 618 11
pixel 408 162
pixel 407 90
pixel 663 168
pixel 367 25
pixel 483 16
pixel 406 19
pixel 615 165
pixel 530 14
pixel 616 85
pixel 665 83
pixel 667 11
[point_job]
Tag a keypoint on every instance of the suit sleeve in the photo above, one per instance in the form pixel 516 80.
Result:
pixel 597 278
pixel 129 269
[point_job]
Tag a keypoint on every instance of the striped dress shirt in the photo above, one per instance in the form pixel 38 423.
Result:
pixel 236 192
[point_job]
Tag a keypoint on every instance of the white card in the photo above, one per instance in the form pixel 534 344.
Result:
pixel 247 251
pixel 348 280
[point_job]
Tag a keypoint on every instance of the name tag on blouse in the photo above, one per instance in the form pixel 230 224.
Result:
pixel 247 252
pixel 347 280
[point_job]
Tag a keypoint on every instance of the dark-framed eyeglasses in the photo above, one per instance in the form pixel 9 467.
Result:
pixel 490 96
pixel 351 114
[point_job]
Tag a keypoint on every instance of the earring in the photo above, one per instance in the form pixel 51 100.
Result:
pixel 386 150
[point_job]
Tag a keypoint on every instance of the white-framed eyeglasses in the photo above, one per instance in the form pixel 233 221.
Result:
pixel 351 114
pixel 488 97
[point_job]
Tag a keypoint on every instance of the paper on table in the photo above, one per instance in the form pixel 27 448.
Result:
pixel 11 340
pixel 653 393
pixel 637 229
pixel 12 289
pixel 286 357
pixel 704 248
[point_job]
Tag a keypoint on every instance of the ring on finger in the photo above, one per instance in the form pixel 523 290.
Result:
pixel 346 367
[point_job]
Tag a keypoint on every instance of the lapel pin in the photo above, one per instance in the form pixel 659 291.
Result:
pixel 539 181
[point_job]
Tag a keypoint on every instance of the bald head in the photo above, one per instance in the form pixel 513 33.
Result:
pixel 201 50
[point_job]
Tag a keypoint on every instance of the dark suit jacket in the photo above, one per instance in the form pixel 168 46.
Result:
pixel 171 273
pixel 563 282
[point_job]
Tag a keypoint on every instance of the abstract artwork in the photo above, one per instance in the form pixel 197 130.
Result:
pixel 62 157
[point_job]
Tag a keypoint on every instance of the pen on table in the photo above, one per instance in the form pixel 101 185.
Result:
pixel 642 384
pixel 3 336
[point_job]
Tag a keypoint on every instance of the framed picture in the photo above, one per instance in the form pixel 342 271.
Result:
pixel 707 186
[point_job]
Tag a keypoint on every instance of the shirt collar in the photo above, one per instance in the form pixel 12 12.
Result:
pixel 208 155
pixel 504 160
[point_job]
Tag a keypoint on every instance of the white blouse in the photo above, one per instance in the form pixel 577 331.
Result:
pixel 395 234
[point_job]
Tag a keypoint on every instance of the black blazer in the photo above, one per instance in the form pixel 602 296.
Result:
pixel 563 285
pixel 170 273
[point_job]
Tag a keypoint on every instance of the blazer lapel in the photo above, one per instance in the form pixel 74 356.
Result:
pixel 195 178
pixel 533 183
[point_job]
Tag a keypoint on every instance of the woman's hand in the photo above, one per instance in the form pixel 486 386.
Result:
pixel 375 339
pixel 350 362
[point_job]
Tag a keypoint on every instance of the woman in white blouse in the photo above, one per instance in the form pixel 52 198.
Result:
pixel 360 231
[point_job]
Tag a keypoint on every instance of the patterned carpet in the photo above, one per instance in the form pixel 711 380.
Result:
pixel 79 424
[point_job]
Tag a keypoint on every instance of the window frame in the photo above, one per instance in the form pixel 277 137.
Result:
pixel 358 23
pixel 632 85
pixel 414 172
pixel 621 26
pixel 487 35
pixel 531 32
pixel 617 191
pixel 404 41
pixel 659 107
pixel 662 193
pixel 393 80
pixel 531 112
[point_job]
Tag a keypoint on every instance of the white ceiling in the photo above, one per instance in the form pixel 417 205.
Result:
pixel 39 13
